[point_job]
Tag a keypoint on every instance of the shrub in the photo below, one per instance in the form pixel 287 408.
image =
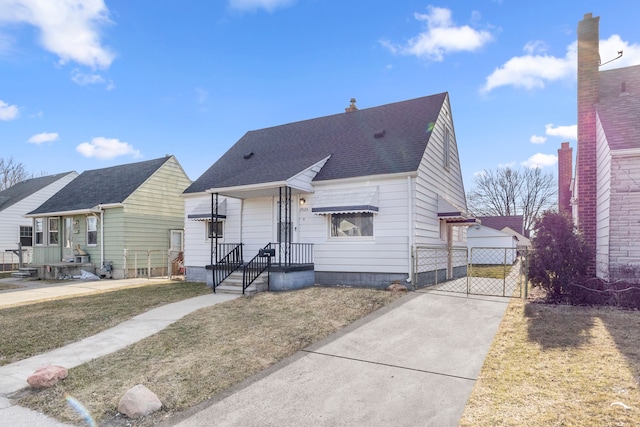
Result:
pixel 559 255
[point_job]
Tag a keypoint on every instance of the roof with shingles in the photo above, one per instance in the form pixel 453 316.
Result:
pixel 101 186
pixel 26 188
pixel 281 152
pixel 514 222
pixel 619 110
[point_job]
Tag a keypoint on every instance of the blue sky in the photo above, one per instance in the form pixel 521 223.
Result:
pixel 87 84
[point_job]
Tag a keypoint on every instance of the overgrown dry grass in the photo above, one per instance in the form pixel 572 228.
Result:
pixel 32 329
pixel 558 365
pixel 208 351
pixel 490 271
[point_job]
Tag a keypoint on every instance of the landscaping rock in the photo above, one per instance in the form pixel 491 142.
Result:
pixel 47 376
pixel 397 287
pixel 139 401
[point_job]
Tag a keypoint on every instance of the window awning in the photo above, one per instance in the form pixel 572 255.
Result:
pixel 202 212
pixel 328 202
pixel 452 214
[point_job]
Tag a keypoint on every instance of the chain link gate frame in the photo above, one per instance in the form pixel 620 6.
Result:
pixel 479 271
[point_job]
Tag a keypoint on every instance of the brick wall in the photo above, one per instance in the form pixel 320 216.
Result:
pixel 588 94
pixel 565 173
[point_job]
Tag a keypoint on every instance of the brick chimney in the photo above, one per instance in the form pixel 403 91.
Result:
pixel 565 173
pixel 352 106
pixel 588 95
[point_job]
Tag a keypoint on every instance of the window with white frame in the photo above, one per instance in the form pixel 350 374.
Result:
pixel 39 226
pixel 26 235
pixel 358 224
pixel 92 230
pixel 215 229
pixel 54 231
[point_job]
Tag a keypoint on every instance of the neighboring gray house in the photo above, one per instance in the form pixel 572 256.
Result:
pixel 121 221
pixel 341 200
pixel 15 202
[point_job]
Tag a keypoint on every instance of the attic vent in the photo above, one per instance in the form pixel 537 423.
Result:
pixel 379 134
pixel 248 155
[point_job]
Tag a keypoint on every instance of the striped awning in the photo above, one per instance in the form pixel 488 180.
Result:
pixel 329 202
pixel 452 214
pixel 202 212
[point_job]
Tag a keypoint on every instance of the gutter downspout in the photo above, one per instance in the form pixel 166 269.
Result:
pixel 410 232
pixel 101 238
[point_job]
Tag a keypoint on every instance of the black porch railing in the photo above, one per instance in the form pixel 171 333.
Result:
pixel 254 268
pixel 288 254
pixel 227 264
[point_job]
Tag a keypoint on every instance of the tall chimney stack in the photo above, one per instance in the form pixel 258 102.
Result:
pixel 588 95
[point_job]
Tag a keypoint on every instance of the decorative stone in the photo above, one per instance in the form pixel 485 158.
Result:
pixel 47 376
pixel 139 401
pixel 397 287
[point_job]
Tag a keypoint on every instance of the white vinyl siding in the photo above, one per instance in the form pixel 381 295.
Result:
pixel 603 202
pixel 431 181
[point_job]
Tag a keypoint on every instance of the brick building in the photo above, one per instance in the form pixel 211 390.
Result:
pixel 605 189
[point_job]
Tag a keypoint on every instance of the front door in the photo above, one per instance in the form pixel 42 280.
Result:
pixel 285 223
pixel 67 239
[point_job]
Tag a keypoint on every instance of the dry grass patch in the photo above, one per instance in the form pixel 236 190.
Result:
pixel 490 271
pixel 208 351
pixel 33 329
pixel 7 286
pixel 556 365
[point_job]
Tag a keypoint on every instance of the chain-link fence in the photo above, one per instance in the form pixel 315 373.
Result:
pixel 480 271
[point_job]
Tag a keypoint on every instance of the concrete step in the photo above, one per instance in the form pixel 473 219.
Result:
pixel 25 272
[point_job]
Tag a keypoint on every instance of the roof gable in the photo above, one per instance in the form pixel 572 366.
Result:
pixel 619 106
pixel 101 186
pixel 24 189
pixel 381 140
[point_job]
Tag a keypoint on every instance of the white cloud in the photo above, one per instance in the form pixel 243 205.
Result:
pixel 609 49
pixel 43 137
pixel 535 139
pixel 268 5
pixel 84 79
pixel 532 71
pixel 509 165
pixel 535 69
pixel 540 160
pixel 68 28
pixel 566 132
pixel 440 37
pixel 8 112
pixel 106 148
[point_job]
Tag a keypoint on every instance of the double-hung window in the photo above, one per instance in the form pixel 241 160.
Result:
pixel 26 235
pixel 92 230
pixel 39 225
pixel 54 231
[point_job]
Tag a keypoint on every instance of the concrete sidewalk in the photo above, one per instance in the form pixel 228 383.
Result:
pixel 412 363
pixel 13 377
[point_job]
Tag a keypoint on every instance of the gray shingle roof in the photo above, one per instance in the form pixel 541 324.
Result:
pixel 100 186
pixel 619 111
pixel 24 189
pixel 281 152
pixel 514 222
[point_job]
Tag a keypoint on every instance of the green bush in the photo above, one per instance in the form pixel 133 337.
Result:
pixel 559 257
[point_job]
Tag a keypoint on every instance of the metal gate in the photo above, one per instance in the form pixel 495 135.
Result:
pixel 478 271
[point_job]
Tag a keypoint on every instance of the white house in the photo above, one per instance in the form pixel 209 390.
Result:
pixel 15 202
pixel 340 200
pixel 489 246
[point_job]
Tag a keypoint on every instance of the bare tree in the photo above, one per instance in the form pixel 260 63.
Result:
pixel 506 192
pixel 11 173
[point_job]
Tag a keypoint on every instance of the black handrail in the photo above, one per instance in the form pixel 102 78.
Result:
pixel 254 268
pixel 227 265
